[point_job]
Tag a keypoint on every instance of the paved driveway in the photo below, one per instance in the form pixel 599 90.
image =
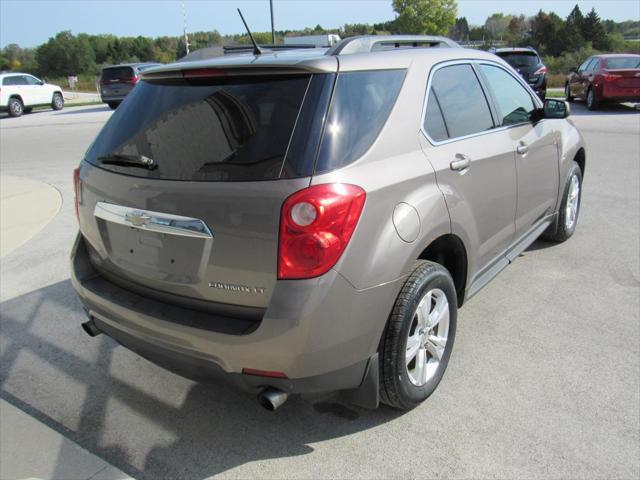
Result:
pixel 544 378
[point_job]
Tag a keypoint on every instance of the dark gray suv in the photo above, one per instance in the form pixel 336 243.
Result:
pixel 117 81
pixel 311 221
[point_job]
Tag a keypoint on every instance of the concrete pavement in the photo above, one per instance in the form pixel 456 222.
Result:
pixel 543 380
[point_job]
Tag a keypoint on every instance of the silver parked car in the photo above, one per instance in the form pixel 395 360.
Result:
pixel 311 221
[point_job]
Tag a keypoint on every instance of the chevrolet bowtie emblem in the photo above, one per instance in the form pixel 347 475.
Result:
pixel 137 218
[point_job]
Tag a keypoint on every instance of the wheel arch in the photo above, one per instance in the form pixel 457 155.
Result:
pixel 580 158
pixel 449 251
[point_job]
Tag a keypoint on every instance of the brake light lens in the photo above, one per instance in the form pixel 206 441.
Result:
pixel 610 77
pixel 263 373
pixel 316 225
pixel 132 80
pixel 541 70
pixel 202 73
pixel 76 192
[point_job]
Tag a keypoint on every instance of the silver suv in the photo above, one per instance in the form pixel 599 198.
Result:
pixel 309 221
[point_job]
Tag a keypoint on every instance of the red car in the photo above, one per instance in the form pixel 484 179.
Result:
pixel 613 77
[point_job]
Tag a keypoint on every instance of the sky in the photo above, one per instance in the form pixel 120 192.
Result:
pixel 31 22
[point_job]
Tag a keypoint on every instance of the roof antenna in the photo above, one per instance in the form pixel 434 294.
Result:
pixel 256 48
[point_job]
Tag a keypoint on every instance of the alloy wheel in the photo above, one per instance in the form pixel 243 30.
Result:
pixel 427 337
pixel 573 202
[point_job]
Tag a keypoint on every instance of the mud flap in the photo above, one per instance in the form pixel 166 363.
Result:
pixel 367 395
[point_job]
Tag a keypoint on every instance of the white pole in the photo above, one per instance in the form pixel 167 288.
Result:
pixel 184 16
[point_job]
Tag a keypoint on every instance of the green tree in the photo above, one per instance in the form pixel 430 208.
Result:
pixel 546 33
pixel 432 17
pixel 572 30
pixel 593 31
pixel 460 30
pixel 496 26
pixel 517 31
pixel 65 55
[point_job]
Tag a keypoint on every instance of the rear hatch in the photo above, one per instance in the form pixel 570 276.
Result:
pixel 117 81
pixel 181 191
pixel 526 63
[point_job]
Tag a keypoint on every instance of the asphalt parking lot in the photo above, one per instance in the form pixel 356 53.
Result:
pixel 544 380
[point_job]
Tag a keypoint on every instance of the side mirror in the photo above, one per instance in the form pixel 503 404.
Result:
pixel 556 108
pixel 41 82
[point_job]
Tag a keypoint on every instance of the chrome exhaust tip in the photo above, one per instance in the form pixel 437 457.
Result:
pixel 90 328
pixel 272 398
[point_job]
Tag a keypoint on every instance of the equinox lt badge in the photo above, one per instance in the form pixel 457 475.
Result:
pixel 237 288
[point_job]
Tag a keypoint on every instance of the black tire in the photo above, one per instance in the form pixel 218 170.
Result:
pixel 567 92
pixel 57 102
pixel 113 105
pixel 560 230
pixel 592 99
pixel 28 109
pixel 396 388
pixel 16 107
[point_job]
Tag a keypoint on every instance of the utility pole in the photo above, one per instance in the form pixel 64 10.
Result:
pixel 184 16
pixel 273 30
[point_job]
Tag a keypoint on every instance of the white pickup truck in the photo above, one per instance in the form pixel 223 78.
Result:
pixel 20 92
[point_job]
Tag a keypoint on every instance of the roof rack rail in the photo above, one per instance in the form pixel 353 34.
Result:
pixel 373 43
pixel 249 48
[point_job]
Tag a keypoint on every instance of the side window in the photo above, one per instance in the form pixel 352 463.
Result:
pixel 464 107
pixel 32 80
pixel 21 80
pixel 583 67
pixel 434 121
pixel 593 65
pixel 514 102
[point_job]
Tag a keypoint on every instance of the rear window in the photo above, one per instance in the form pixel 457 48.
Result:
pixel 623 62
pixel 237 129
pixel 520 59
pixel 117 73
pixel 15 80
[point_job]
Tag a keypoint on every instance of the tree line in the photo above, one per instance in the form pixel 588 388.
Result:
pixel 69 54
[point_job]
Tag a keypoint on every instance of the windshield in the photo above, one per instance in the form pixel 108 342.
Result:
pixel 623 62
pixel 237 129
pixel 520 59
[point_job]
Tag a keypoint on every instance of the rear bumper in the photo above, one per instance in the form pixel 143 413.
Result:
pixel 619 94
pixel 111 99
pixel 321 332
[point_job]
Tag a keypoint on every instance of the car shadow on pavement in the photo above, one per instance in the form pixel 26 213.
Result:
pixel 137 416
pixel 580 109
pixel 78 111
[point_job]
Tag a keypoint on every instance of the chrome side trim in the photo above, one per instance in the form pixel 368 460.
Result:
pixel 152 221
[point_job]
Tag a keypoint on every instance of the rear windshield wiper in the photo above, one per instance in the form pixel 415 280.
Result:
pixel 124 160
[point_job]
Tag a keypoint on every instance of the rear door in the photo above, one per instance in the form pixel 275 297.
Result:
pixel 535 146
pixel 22 88
pixel 181 191
pixel 474 163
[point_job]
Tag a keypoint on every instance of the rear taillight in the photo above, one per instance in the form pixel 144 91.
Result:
pixel 103 82
pixel 610 77
pixel 541 70
pixel 76 191
pixel 316 225
pixel 133 80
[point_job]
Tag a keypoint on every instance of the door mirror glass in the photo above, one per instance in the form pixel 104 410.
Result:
pixel 555 108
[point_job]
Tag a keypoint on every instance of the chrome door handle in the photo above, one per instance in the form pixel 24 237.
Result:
pixel 522 149
pixel 463 162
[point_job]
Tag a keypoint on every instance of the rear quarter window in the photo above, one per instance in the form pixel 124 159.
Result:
pixel 359 108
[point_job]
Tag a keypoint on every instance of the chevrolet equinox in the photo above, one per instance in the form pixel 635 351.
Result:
pixel 311 220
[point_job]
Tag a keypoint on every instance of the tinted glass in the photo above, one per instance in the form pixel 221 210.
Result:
pixel 235 130
pixel 464 106
pixel 117 73
pixel 520 59
pixel 593 65
pixel 359 108
pixel 514 102
pixel 583 67
pixel 623 62
pixel 32 80
pixel 15 80
pixel 433 121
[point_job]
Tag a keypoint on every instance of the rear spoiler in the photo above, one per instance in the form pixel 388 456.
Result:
pixel 373 43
